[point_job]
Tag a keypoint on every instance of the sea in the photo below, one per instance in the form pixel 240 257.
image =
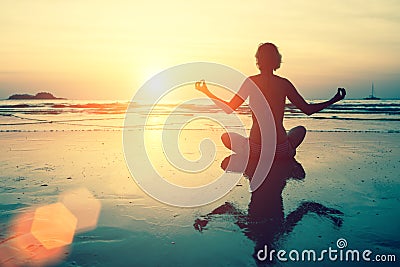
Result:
pixel 381 116
pixel 339 195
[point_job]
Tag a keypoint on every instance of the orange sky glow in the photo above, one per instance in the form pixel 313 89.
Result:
pixel 108 49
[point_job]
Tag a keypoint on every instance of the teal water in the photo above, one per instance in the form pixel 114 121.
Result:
pixel 344 185
pixel 58 115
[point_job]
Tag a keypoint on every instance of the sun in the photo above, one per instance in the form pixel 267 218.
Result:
pixel 149 71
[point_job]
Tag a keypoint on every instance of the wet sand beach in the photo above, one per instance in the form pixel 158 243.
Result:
pixel 350 190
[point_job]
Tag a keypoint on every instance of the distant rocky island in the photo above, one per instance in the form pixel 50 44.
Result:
pixel 41 95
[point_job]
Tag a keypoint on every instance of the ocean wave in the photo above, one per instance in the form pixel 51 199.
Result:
pixel 199 129
pixel 88 115
pixel 355 119
pixel 61 108
pixel 35 107
pixel 389 109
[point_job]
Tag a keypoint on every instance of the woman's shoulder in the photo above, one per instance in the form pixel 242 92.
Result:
pixel 277 78
pixel 281 79
pixel 254 77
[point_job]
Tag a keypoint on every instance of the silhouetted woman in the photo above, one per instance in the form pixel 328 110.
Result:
pixel 275 89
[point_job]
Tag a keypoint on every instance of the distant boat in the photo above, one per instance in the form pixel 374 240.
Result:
pixel 371 96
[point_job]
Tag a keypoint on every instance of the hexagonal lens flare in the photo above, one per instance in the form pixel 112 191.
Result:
pixel 84 206
pixel 54 225
pixel 22 248
pixel 42 236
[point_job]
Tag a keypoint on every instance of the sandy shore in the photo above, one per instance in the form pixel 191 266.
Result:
pixel 355 174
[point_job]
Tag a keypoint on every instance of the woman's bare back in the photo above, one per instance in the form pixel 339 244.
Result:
pixel 274 88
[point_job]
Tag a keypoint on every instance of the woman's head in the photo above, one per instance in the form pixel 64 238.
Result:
pixel 268 57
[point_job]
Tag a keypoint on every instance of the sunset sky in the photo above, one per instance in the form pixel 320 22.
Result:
pixel 107 49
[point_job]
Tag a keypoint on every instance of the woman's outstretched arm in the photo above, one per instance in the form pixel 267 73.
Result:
pixel 307 108
pixel 228 107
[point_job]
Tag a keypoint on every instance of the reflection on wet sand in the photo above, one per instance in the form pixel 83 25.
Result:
pixel 264 222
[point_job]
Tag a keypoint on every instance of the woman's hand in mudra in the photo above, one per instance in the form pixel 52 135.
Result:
pixel 201 86
pixel 341 93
